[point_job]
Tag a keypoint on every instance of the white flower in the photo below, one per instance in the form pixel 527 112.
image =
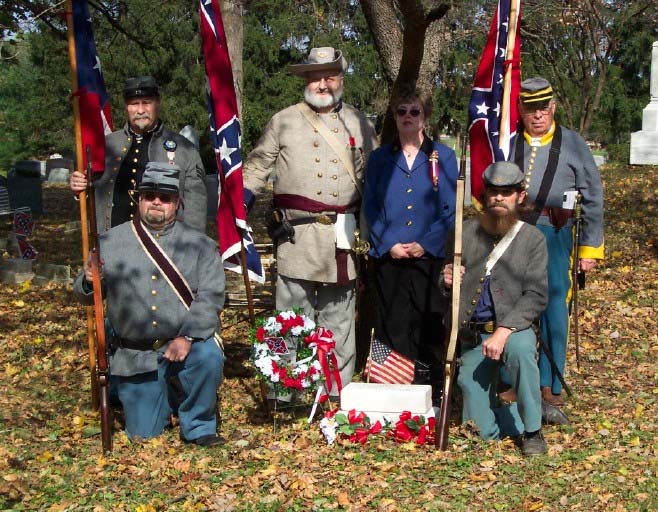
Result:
pixel 328 427
pixel 297 330
pixel 309 324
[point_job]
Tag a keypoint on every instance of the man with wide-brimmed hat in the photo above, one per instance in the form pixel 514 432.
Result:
pixel 160 327
pixel 317 150
pixel 144 139
pixel 504 289
pixel 558 166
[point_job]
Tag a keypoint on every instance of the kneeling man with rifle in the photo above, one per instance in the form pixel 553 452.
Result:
pixel 504 289
pixel 164 284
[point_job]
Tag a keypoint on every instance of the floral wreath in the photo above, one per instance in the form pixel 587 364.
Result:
pixel 273 340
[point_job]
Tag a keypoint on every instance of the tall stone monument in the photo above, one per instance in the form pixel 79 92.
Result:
pixel 644 144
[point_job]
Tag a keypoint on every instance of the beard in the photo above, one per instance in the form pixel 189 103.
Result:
pixel 498 223
pixel 317 101
pixel 154 217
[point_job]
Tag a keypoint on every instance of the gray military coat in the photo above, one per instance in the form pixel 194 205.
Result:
pixel 192 179
pixel 141 305
pixel 305 165
pixel 518 280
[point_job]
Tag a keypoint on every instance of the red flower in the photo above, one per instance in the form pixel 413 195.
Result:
pixel 376 428
pixel 402 432
pixel 261 334
pixel 331 414
pixel 362 435
pixel 289 382
pixel 353 417
pixel 404 416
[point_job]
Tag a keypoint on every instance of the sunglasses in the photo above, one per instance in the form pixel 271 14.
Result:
pixel 151 196
pixel 414 112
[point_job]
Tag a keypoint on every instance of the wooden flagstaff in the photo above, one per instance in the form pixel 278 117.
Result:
pixel 507 81
pixel 247 283
pixel 79 159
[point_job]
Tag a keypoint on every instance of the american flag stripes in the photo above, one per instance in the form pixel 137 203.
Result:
pixel 95 115
pixel 491 128
pixel 233 231
pixel 386 366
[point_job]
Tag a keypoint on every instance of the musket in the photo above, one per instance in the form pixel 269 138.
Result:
pixel 577 277
pixel 102 370
pixel 443 423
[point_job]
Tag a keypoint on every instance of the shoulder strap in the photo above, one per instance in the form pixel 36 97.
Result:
pixel 339 149
pixel 549 174
pixel 163 263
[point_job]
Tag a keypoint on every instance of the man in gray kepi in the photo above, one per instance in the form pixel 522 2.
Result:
pixel 162 329
pixel 504 289
pixel 144 139
pixel 317 149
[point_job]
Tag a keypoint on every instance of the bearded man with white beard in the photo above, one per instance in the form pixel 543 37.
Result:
pixel 504 290
pixel 316 150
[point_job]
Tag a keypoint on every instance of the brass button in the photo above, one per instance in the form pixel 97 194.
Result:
pixel 474 302
pixel 154 308
pixel 479 290
pixel 109 193
pixel 469 311
pixel 136 150
pixel 410 207
pixel 131 215
pixel 134 171
pixel 319 192
pixel 334 116
pixel 409 191
pixel 335 130
pixel 464 322
pixel 154 277
pixel 157 235
pixel 532 160
pixel 317 160
pixel 334 177
pixel 124 150
pixel 482 279
pixel 154 292
pixel 530 167
pixel 319 175
pixel 335 194
pixel 315 130
pixel 316 144
pixel 135 160
pixel 409 223
pixel 154 323
pixel 334 161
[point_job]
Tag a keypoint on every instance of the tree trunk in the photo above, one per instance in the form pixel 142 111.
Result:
pixel 232 18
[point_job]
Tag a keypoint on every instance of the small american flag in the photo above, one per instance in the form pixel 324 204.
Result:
pixel 386 366
pixel 277 345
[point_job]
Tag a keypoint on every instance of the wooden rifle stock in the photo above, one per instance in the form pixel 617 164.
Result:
pixel 102 370
pixel 443 424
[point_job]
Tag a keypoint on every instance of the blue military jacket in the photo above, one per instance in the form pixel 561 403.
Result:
pixel 401 205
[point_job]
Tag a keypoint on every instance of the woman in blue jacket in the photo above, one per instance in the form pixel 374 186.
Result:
pixel 409 204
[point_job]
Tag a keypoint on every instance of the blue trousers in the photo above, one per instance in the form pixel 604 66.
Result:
pixel 478 376
pixel 554 320
pixel 147 404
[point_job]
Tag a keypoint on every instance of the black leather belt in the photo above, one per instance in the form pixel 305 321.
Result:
pixel 483 327
pixel 139 344
pixel 326 219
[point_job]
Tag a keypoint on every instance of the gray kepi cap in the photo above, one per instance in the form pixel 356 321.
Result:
pixel 320 59
pixel 160 177
pixel 141 87
pixel 503 174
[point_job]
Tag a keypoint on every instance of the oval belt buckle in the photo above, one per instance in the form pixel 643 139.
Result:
pixel 324 219
pixel 489 327
pixel 158 344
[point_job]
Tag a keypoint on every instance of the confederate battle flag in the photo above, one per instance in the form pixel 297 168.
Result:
pixel 491 127
pixel 233 231
pixel 95 115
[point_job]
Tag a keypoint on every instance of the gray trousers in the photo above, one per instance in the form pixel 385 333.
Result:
pixel 330 306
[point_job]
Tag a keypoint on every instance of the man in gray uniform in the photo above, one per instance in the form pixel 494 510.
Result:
pixel 558 165
pixel 157 335
pixel 318 150
pixel 144 139
pixel 504 289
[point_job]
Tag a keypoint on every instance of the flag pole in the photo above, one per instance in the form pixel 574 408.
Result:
pixel 507 83
pixel 91 341
pixel 247 281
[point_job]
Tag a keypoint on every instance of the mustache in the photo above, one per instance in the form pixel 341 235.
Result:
pixel 141 116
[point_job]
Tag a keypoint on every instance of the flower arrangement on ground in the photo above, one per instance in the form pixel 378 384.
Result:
pixel 357 428
pixel 291 353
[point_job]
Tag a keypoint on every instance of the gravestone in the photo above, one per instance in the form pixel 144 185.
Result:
pixel 24 186
pixel 644 144
pixel 58 170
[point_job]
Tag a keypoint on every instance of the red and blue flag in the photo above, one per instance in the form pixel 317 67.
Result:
pixel 491 129
pixel 233 231
pixel 93 100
